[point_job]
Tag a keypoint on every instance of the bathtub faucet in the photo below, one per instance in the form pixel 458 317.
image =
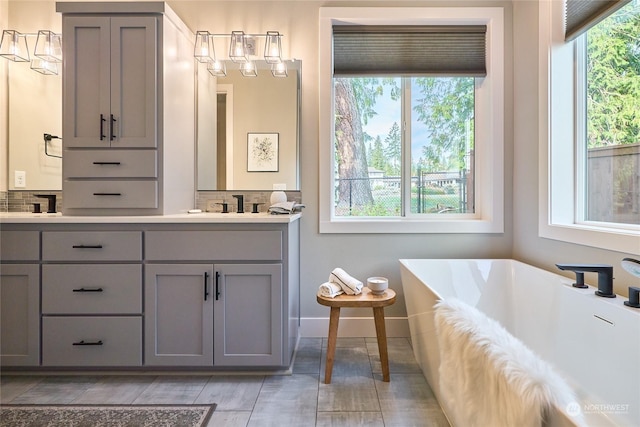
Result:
pixel 605 276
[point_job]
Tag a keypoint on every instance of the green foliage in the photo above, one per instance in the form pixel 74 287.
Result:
pixel 446 107
pixel 393 150
pixel 613 79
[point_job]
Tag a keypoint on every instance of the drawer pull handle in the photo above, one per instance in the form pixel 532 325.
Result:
pixel 113 121
pixel 206 291
pixel 217 285
pixel 102 120
pixel 107 194
pixel 107 163
pixel 88 290
pixel 83 342
pixel 87 246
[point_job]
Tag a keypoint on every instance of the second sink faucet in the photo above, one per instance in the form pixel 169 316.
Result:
pixel 240 198
pixel 605 276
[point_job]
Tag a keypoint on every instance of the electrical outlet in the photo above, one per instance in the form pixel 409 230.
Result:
pixel 20 179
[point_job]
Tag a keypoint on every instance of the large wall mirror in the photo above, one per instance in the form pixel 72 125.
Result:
pixel 248 129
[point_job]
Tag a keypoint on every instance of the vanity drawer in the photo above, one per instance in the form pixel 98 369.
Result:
pixel 92 246
pixel 91 341
pixel 214 245
pixel 19 246
pixel 110 194
pixel 91 289
pixel 111 164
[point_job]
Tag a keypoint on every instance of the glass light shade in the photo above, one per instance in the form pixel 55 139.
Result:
pixel 44 67
pixel 217 68
pixel 248 69
pixel 279 69
pixel 204 50
pixel 238 47
pixel 48 46
pixel 272 48
pixel 13 46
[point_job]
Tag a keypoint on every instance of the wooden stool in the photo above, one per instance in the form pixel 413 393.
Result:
pixel 365 299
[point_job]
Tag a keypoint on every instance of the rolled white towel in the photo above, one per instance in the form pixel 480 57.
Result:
pixel 350 285
pixel 330 290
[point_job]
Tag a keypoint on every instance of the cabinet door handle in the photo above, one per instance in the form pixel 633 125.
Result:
pixel 206 291
pixel 217 285
pixel 88 290
pixel 107 194
pixel 83 342
pixel 107 163
pixel 102 120
pixel 87 246
pixel 111 127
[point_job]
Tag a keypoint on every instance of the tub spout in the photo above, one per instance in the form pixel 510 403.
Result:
pixel 605 276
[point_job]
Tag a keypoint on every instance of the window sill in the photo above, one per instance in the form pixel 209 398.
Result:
pixel 609 238
pixel 413 226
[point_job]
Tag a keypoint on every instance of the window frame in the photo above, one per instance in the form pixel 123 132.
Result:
pixel 489 140
pixel 561 203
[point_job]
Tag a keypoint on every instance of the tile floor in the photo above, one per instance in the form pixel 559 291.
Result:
pixel 357 396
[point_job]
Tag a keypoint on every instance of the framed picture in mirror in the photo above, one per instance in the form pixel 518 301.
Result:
pixel 262 152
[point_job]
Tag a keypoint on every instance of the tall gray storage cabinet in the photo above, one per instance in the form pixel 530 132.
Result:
pixel 128 109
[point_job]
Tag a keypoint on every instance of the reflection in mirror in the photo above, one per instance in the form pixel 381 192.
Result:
pixel 232 107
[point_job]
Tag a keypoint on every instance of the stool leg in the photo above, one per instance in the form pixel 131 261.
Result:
pixel 378 317
pixel 334 317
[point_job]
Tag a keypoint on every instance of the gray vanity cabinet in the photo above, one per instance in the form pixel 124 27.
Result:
pixel 248 315
pixel 19 298
pixel 178 315
pixel 91 293
pixel 127 109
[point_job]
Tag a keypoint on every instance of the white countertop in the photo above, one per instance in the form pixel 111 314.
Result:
pixel 205 217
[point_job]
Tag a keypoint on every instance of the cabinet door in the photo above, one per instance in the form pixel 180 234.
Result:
pixel 248 315
pixel 87 86
pixel 133 82
pixel 178 315
pixel 19 315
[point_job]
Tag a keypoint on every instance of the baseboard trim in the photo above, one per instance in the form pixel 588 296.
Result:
pixel 353 327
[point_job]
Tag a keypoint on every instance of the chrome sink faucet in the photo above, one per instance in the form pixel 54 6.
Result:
pixel 240 198
pixel 605 276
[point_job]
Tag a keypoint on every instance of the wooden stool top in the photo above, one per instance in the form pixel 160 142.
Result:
pixel 365 299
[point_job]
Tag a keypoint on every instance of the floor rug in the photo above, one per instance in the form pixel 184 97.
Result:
pixel 105 415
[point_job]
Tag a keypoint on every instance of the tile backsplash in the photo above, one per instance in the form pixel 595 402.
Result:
pixel 208 201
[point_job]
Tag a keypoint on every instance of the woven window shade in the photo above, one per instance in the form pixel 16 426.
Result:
pixel 435 50
pixel 580 15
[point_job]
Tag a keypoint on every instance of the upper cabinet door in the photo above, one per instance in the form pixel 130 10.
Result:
pixel 110 82
pixel 87 86
pixel 133 82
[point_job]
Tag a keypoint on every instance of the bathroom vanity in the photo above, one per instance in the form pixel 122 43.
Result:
pixel 205 291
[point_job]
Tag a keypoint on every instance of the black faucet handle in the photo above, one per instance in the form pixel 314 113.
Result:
pixel 634 297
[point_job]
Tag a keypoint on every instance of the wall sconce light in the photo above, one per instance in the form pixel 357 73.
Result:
pixel 44 67
pixel 238 47
pixel 47 52
pixel 279 69
pixel 48 46
pixel 242 50
pixel 248 69
pixel 204 50
pixel 13 46
pixel 272 49
pixel 217 68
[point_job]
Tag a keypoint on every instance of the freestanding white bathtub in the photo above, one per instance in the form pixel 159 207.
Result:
pixel 592 342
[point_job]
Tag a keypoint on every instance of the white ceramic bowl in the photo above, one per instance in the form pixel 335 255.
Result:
pixel 377 284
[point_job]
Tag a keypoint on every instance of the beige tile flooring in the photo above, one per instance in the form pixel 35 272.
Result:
pixel 357 396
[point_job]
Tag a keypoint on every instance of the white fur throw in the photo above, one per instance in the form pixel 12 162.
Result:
pixel 487 376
